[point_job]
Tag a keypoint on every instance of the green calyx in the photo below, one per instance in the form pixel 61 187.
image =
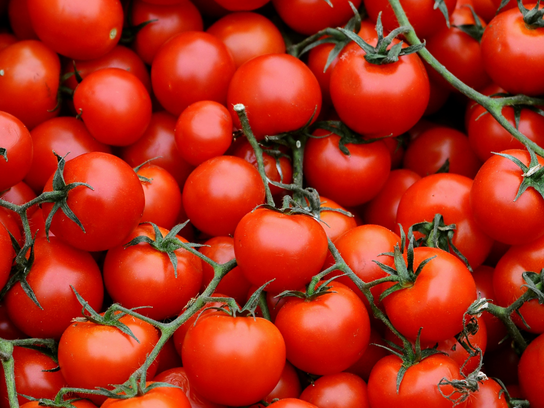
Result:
pixel 533 175
pixel 532 18
pixel 475 30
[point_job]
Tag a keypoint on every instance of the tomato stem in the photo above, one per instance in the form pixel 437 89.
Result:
pixel 8 364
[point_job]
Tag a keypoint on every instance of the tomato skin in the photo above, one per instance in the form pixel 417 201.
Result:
pixel 62 135
pixel 19 20
pixel 92 355
pixel 219 192
pixel 327 334
pixel 78 30
pixel 280 94
pixel 117 199
pixel 419 387
pixel 241 5
pixel 114 105
pixel 140 275
pixel 16 140
pixel 30 82
pixel 373 353
pixel 335 223
pixel 342 390
pixel 493 206
pixel 489 395
pixel 437 300
pixel 291 403
pixel 287 248
pixel 164 397
pixel 506 39
pixel 348 180
pixel 530 372
pixel 190 67
pixel 233 360
pixel 248 35
pixel 57 267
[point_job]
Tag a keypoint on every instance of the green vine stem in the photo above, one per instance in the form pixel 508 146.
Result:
pixel 8 364
pixel 297 146
pixel 493 105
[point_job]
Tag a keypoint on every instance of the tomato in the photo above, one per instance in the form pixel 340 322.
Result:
pixel 288 386
pixel 62 135
pixel 56 269
pixel 12 223
pixel 171 19
pixel 233 360
pixel 351 179
pixel 19 20
pixel 419 387
pixel 449 195
pixel 8 330
pixel 241 5
pixel 117 199
pixel 425 18
pixel 31 377
pixel 287 248
pixel 489 395
pixel 291 403
pixel 327 334
pixel 427 153
pixel 382 209
pixel 114 106
pixel 78 404
pixel 164 397
pixel 20 194
pixel 6 40
pixel 29 82
pixel 192 66
pixel 507 39
pixel 342 390
pixel 333 222
pixel 436 301
pixel 140 275
pixel 360 90
pixel 92 355
pixel 248 35
pixel 203 131
pixel 508 282
pixel 310 16
pixel 162 196
pixel 219 192
pixel 168 357
pixel 280 94
pixel 492 199
pixel 373 353
pixel 530 373
pixel 16 151
pixel 158 143
pixel 178 377
pixel 78 30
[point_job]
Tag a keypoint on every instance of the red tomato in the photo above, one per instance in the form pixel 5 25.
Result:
pixel 192 66
pixel 530 372
pixel 327 334
pixel 62 135
pixel 92 355
pixel 19 19
pixel 492 199
pixel 164 397
pixel 360 89
pixel 370 357
pixel 489 395
pixel 241 5
pixel 140 275
pixel 117 199
pixel 248 35
pixel 233 360
pixel 291 403
pixel 16 151
pixel 342 390
pixel 168 357
pixel 8 330
pixel 31 377
pixel 288 386
pixel 310 16
pixel 279 92
pixel 56 269
pixel 512 53
pixel 436 301
pixel 6 40
pixel 335 223
pixel 419 387
pixel 78 404
pixel 203 131
pixel 348 180
pixel 171 19
pixel 270 245
pixel 114 105
pixel 219 192
pixel 78 30
pixel 20 194
pixel 29 82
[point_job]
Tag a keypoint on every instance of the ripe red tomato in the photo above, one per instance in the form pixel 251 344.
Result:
pixel 335 223
pixel 19 19
pixel 327 334
pixel 233 360
pixel 279 92
pixel 342 390
pixel 117 199
pixel 291 403
pixel 164 397
pixel 287 248
pixel 493 206
pixel 57 267
pixel 140 275
pixel 219 192
pixel 78 30
pixel 490 394
pixel 16 151
pixel 530 372
pixel 114 106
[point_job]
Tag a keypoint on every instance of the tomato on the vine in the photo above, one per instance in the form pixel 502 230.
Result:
pixel 16 151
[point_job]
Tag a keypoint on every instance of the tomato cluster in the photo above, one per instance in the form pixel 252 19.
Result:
pixel 283 203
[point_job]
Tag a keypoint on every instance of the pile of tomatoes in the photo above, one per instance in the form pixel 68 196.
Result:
pixel 236 203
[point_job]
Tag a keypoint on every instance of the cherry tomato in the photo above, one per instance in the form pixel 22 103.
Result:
pixel 164 397
pixel 489 395
pixel 16 151
pixel 530 374
pixel 342 390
